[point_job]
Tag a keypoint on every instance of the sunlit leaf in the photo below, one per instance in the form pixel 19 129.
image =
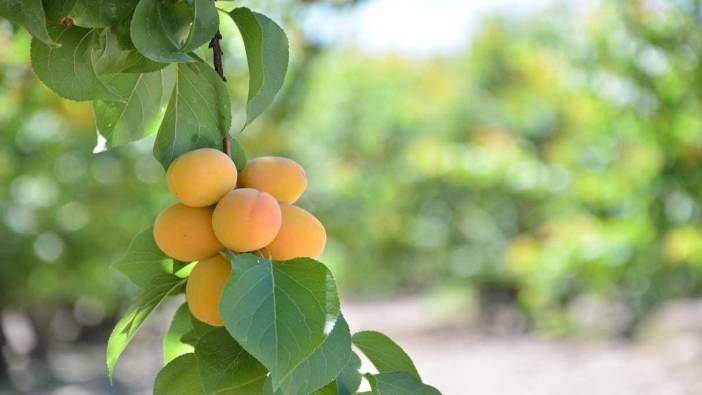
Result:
pixel 173 345
pixel 125 329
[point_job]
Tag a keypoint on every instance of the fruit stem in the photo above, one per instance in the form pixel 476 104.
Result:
pixel 217 60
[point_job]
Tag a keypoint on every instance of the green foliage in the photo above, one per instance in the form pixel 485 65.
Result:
pixel 179 377
pixel 349 379
pixel 323 365
pixel 121 122
pixel 279 312
pixel 398 383
pixel 68 68
pixel 137 61
pixel 160 288
pixel 198 113
pixel 115 54
pixel 267 55
pixel 224 364
pixel 384 353
pixel 238 155
pixel 157 28
pixel 102 13
pixel 143 261
pixel 173 344
pixel 29 14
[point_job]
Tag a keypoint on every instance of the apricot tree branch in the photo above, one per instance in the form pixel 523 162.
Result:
pixel 217 60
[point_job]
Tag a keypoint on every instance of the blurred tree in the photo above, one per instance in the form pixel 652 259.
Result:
pixel 555 160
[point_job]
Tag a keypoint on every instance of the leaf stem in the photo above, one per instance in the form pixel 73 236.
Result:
pixel 217 60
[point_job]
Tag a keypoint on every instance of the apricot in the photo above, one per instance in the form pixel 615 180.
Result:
pixel 204 288
pixel 185 233
pixel 281 177
pixel 201 177
pixel 300 235
pixel 246 219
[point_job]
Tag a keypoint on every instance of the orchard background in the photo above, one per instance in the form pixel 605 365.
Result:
pixel 531 172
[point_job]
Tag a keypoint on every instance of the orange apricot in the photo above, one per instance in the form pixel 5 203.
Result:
pixel 185 233
pixel 204 289
pixel 300 235
pixel 281 177
pixel 201 177
pixel 246 219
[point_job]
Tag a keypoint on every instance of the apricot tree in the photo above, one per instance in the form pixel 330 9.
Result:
pixel 261 316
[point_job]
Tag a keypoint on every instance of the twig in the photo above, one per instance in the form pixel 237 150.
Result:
pixel 217 54
pixel 217 60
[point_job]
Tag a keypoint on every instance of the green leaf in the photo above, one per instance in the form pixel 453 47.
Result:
pixel 141 114
pixel 173 346
pixel 143 261
pixel 384 353
pixel 329 389
pixel 179 377
pixel 57 10
pixel 224 364
pixel 238 155
pixel 198 113
pixel 253 388
pixel 157 26
pixel 324 365
pixel 350 378
pixel 200 328
pixel 117 55
pixel 126 328
pixel 398 383
pixel 190 338
pixel 28 14
pixel 68 69
pixel 100 13
pixel 267 55
pixel 279 312
pixel 179 268
pixel 182 377
pixel 204 26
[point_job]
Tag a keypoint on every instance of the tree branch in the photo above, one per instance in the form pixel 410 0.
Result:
pixel 217 60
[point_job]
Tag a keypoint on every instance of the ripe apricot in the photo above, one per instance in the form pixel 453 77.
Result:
pixel 300 235
pixel 281 177
pixel 246 219
pixel 201 177
pixel 204 288
pixel 185 233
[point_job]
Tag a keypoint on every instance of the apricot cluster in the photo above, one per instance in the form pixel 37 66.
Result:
pixel 220 210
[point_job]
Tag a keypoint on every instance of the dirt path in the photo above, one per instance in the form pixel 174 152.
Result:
pixel 461 363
